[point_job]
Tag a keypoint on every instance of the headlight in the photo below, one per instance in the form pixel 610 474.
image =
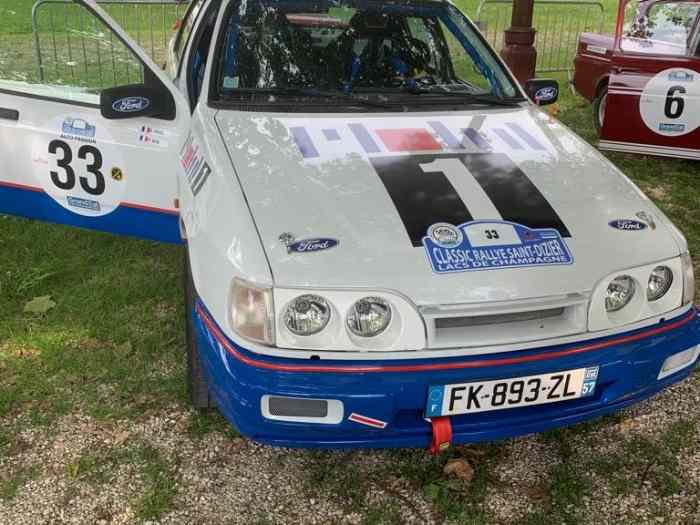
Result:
pixel 660 281
pixel 307 315
pixel 620 292
pixel 252 312
pixel 688 279
pixel 369 317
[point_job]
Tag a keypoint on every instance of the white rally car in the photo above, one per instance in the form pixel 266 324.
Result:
pixel 388 243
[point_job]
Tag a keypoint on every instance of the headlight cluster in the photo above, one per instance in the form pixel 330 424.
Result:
pixel 333 320
pixel 641 293
pixel 622 288
pixel 309 314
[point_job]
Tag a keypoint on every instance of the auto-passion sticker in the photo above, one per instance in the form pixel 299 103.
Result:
pixel 492 245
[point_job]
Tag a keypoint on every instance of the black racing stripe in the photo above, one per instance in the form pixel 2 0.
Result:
pixel 513 194
pixel 422 199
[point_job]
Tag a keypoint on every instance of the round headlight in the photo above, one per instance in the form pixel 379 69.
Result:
pixel 369 317
pixel 307 315
pixel 620 292
pixel 660 281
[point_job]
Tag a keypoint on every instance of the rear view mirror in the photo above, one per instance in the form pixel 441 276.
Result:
pixel 542 91
pixel 125 102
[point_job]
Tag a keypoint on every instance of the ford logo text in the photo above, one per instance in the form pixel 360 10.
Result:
pixel 131 104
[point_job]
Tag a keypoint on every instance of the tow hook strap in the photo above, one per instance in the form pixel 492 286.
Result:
pixel 442 434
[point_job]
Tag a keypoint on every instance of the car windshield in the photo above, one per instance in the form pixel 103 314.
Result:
pixel 300 48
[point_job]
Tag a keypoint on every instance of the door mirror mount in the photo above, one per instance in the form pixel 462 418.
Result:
pixel 542 91
pixel 137 100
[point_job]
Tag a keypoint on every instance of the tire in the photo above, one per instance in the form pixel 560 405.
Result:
pixel 196 380
pixel 599 105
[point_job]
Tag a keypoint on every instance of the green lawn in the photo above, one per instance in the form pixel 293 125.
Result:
pixel 112 349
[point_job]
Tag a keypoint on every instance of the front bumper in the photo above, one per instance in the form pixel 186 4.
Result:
pixel 395 392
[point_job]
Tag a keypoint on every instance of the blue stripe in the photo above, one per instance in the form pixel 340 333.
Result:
pixel 146 224
pixel 304 142
pixel 445 134
pixel 364 138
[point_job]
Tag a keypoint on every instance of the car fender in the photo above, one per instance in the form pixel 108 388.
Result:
pixel 222 237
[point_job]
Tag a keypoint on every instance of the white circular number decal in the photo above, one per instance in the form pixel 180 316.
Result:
pixel 670 103
pixel 72 167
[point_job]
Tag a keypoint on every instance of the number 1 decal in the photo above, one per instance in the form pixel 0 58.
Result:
pixel 460 188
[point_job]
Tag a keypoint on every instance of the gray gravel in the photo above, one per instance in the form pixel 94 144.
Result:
pixel 220 479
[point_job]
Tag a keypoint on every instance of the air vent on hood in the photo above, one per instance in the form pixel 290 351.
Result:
pixel 455 326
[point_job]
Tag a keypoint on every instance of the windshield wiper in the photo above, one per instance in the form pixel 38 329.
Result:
pixel 317 93
pixel 468 97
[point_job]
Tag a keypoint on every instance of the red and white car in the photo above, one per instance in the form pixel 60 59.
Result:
pixel 644 81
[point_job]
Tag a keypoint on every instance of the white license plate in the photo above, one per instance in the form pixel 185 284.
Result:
pixel 482 396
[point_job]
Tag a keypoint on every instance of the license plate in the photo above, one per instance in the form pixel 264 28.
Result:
pixel 482 396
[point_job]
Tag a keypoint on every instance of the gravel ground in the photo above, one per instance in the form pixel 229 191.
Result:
pixel 217 478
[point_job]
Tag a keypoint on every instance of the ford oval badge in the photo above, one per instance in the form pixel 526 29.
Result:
pixel 627 225
pixel 546 94
pixel 312 245
pixel 131 104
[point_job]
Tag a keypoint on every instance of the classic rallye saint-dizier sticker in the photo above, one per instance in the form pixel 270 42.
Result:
pixel 491 245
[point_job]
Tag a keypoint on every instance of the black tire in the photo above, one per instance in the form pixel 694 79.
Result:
pixel 599 105
pixel 196 380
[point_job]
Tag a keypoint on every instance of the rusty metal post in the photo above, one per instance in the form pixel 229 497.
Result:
pixel 519 51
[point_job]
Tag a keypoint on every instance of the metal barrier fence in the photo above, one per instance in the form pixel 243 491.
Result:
pixel 558 22
pixel 66 38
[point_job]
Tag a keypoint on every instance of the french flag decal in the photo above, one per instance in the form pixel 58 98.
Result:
pixel 368 421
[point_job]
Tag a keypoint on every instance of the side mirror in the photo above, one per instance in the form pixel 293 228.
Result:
pixel 125 102
pixel 542 91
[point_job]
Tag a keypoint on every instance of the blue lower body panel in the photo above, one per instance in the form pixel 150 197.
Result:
pixel 395 392
pixel 128 219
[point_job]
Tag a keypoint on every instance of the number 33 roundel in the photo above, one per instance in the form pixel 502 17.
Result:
pixel 74 162
pixel 670 103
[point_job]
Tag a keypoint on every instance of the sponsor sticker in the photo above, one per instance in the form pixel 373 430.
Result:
pixel 681 76
pixel 598 50
pixel 367 421
pixel 152 137
pixel 197 170
pixel 629 225
pixel 85 204
pixel 78 129
pixel 672 128
pixel 494 245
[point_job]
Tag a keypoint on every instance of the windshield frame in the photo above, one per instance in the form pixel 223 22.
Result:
pixel 293 104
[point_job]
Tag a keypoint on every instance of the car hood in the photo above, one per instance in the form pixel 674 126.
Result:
pixel 368 186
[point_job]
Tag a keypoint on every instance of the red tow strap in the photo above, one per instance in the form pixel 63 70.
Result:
pixel 442 434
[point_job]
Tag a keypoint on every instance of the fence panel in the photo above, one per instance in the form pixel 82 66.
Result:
pixel 65 42
pixel 558 22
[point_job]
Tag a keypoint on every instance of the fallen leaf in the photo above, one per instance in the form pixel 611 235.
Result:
pixel 121 437
pixel 553 110
pixel 39 305
pixel 460 468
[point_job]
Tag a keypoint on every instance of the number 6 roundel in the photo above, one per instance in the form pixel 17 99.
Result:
pixel 668 104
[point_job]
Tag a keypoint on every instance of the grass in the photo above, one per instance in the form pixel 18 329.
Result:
pixel 112 347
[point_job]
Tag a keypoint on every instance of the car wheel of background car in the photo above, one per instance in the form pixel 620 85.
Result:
pixel 599 108
pixel 196 381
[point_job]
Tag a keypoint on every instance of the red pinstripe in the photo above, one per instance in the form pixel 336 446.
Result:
pixel 480 363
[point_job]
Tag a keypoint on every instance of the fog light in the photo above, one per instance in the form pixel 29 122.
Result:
pixel 679 361
pixel 301 409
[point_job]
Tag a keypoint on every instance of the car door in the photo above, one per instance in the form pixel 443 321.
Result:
pixel 653 103
pixel 90 127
